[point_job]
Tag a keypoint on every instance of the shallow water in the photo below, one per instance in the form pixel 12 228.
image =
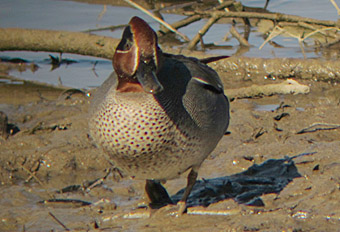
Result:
pixel 75 16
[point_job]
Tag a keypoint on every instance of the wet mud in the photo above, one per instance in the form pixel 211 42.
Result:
pixel 45 147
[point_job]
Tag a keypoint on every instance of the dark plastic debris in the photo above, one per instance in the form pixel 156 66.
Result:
pixel 245 187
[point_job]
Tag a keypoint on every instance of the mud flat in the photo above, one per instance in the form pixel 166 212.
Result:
pixel 46 147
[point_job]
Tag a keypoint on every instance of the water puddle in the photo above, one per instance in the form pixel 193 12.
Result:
pixel 84 72
pixel 272 107
pixel 269 107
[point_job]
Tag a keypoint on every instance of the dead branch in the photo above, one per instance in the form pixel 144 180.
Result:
pixel 308 69
pixel 109 28
pixel 165 24
pixel 202 32
pixel 286 87
pixel 15 39
pixel 241 40
pixel 181 23
pixel 277 17
pixel 194 18
pixel 336 6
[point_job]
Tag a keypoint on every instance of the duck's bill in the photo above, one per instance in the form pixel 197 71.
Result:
pixel 147 78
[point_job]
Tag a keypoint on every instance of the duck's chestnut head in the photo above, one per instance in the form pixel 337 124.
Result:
pixel 137 57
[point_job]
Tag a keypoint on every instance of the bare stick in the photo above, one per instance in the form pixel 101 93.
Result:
pixel 275 32
pixel 240 39
pixel 58 221
pixel 167 25
pixel 32 175
pixel 112 28
pixel 15 39
pixel 311 27
pixel 102 13
pixel 321 31
pixel 336 6
pixel 194 18
pixel 182 23
pixel 271 16
pixel 302 48
pixel 202 32
pixel 289 86
pixel 98 181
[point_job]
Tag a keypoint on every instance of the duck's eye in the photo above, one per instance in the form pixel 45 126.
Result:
pixel 127 46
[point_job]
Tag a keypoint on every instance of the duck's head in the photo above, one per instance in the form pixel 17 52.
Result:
pixel 137 59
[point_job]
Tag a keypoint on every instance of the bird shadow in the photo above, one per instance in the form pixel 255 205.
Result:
pixel 272 176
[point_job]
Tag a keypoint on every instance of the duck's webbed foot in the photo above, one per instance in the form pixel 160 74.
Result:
pixel 157 194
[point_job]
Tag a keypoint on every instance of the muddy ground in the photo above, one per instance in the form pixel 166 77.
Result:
pixel 52 150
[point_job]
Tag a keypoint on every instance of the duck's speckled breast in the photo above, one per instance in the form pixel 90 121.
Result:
pixel 140 138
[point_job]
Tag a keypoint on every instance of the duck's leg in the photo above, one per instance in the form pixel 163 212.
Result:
pixel 191 182
pixel 157 194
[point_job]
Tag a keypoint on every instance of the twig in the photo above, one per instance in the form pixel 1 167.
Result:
pixel 319 126
pixel 266 5
pixel 302 48
pixel 32 175
pixel 202 32
pixel 102 13
pixel 182 23
pixel 157 19
pixel 311 27
pixel 98 181
pixel 240 39
pixel 58 221
pixel 15 39
pixel 112 28
pixel 320 31
pixel 275 32
pixel 194 18
pixel 336 6
pixel 277 17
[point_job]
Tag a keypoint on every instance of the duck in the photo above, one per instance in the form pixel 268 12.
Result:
pixel 158 115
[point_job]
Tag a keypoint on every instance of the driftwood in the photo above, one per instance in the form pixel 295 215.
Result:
pixel 286 87
pixel 15 39
pixel 309 69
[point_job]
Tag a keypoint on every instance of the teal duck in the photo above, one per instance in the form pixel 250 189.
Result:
pixel 158 115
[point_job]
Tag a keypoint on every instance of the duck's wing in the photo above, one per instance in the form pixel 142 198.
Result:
pixel 201 72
